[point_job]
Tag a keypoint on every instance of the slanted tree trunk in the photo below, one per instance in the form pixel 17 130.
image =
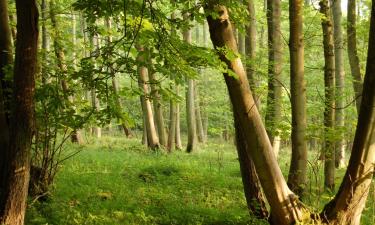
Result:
pixel 190 107
pixel 275 54
pixel 250 48
pixel 355 68
pixel 251 184
pixel 329 85
pixel 284 204
pixel 347 206
pixel 340 82
pixel 6 59
pixel 17 171
pixel 152 137
pixel 298 164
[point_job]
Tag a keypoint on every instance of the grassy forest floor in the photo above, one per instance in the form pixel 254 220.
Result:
pixel 117 181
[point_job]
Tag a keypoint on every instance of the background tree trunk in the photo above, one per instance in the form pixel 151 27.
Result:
pixel 14 196
pixel 348 204
pixel 298 164
pixel 329 84
pixel 340 83
pixel 273 114
pixel 352 52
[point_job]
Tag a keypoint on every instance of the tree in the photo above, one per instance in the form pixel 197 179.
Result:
pixel 17 170
pixel 329 87
pixel 340 81
pixel 273 114
pixel 298 164
pixel 351 31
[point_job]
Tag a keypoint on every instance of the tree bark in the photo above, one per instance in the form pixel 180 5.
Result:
pixel 14 196
pixel 329 86
pixel 340 83
pixel 298 164
pixel 198 117
pixel 347 206
pixel 273 114
pixel 284 204
pixel 352 52
pixel 178 127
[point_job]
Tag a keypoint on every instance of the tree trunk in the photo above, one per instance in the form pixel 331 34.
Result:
pixel 190 107
pixel 284 204
pixel 178 127
pixel 250 48
pixel 172 125
pixel 340 83
pixel 329 86
pixel 273 114
pixel 298 164
pixel 152 137
pixel 96 131
pixel 251 184
pixel 198 117
pixel 14 196
pixel 347 206
pixel 352 52
pixel 6 59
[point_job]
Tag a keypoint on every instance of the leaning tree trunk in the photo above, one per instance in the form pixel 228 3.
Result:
pixel 347 206
pixel 284 204
pixel 275 54
pixel 6 59
pixel 329 87
pixel 340 82
pixel 13 197
pixel 352 52
pixel 250 180
pixel 298 164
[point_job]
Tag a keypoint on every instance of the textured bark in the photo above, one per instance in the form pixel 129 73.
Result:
pixel 347 206
pixel 14 196
pixel 152 137
pixel 273 114
pixel 190 107
pixel 250 48
pixel 250 180
pixel 6 60
pixel 340 82
pixel 284 204
pixel 298 165
pixel 352 52
pixel 329 86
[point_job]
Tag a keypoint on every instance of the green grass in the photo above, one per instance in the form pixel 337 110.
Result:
pixel 118 181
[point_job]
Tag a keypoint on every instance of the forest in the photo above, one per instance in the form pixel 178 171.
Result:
pixel 196 112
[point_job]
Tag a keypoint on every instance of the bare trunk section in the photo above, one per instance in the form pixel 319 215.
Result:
pixel 13 197
pixel 152 137
pixel 298 164
pixel 284 204
pixel 190 107
pixel 273 114
pixel 352 52
pixel 340 82
pixel 251 184
pixel 329 85
pixel 348 204
pixel 172 125
pixel 178 127
pixel 198 117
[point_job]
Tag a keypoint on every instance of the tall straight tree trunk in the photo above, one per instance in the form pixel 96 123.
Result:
pixel 198 117
pixel 172 125
pixel 352 52
pixel 298 164
pixel 178 122
pixel 13 197
pixel 284 204
pixel 190 107
pixel 115 88
pixel 152 137
pixel 329 86
pixel 340 82
pixel 251 184
pixel 204 100
pixel 348 204
pixel 96 131
pixel 158 108
pixel 273 114
pixel 6 59
pixel 250 48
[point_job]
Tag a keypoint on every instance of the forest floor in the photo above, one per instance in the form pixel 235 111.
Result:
pixel 118 181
